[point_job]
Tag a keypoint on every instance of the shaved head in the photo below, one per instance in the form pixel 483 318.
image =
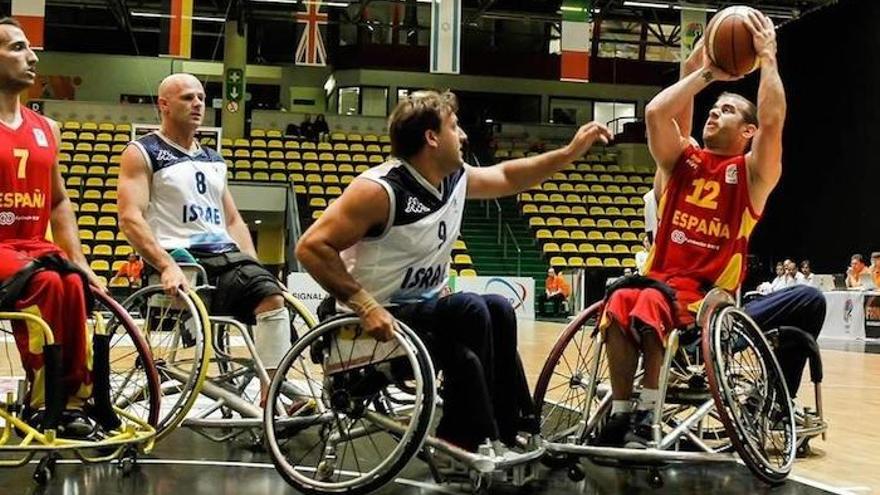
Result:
pixel 181 103
pixel 172 83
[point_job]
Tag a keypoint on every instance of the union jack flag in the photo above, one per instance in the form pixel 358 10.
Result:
pixel 311 50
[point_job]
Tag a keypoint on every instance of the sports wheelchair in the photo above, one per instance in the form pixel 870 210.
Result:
pixel 722 388
pixel 347 413
pixel 124 406
pixel 205 358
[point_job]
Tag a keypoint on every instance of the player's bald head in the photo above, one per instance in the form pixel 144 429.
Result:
pixel 176 82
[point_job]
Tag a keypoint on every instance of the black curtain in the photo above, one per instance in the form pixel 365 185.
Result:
pixel 827 204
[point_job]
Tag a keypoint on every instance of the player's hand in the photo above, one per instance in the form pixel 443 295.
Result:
pixel 586 136
pixel 695 59
pixel 763 34
pixel 173 280
pixel 379 324
pixel 96 283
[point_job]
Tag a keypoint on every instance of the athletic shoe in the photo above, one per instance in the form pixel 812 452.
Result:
pixel 616 427
pixel 639 436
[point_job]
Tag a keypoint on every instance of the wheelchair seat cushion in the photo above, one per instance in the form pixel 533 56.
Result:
pixel 12 288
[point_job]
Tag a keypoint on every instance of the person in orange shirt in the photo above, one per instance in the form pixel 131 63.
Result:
pixel 131 270
pixel 556 290
pixel 854 273
pixel 875 268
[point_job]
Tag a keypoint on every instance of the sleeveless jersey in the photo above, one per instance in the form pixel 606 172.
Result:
pixel 186 195
pixel 706 219
pixel 27 157
pixel 409 261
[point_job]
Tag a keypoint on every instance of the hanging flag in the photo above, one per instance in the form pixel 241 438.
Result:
pixel 693 25
pixel 177 29
pixel 446 36
pixel 311 50
pixel 576 43
pixel 30 14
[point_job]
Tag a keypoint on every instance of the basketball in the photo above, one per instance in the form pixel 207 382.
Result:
pixel 729 41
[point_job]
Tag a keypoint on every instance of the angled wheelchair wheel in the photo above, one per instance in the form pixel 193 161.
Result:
pixel 133 378
pixel 336 420
pixel 574 379
pixel 750 395
pixel 178 331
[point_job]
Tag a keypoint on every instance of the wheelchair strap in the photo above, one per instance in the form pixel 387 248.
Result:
pixel 12 288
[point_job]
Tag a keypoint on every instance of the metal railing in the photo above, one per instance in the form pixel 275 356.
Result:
pixel 509 233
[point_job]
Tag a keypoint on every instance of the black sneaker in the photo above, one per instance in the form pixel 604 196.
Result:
pixel 612 434
pixel 77 425
pixel 639 436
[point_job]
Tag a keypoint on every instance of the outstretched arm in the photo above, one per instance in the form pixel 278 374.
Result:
pixel 513 176
pixel 764 162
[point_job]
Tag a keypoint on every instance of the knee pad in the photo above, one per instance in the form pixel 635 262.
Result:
pixel 272 336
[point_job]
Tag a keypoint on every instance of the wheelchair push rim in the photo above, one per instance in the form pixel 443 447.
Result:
pixel 750 395
pixel 312 474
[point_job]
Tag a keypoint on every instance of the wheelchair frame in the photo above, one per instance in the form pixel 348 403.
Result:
pixel 573 442
pixel 491 463
pixel 134 435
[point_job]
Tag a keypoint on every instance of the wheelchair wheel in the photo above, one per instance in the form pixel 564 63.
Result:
pixel 750 394
pixel 134 379
pixel 333 420
pixel 178 332
pixel 570 386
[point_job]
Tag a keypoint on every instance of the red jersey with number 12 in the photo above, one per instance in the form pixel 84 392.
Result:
pixel 706 219
pixel 27 155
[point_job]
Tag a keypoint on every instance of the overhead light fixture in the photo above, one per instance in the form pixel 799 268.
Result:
pixel 696 8
pixel 257 222
pixel 304 2
pixel 157 15
pixel 650 5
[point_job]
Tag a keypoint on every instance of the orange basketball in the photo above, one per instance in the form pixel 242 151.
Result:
pixel 729 41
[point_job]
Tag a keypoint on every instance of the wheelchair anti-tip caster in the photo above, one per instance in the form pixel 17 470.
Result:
pixel 45 468
pixel 576 473
pixel 128 460
pixel 655 479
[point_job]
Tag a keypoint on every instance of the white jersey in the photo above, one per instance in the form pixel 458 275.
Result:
pixel 186 195
pixel 409 260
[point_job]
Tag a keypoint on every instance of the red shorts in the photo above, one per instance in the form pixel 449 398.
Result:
pixel 648 306
pixel 60 301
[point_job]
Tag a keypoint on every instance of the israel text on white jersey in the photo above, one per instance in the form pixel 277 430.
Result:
pixel 409 260
pixel 186 195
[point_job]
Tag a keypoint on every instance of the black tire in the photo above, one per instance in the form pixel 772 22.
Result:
pixel 326 412
pixel 750 395
pixel 570 367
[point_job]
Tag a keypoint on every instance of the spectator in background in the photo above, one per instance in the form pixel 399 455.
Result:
pixel 642 256
pixel 307 128
pixel 778 283
pixel 792 275
pixel 875 268
pixel 807 273
pixel 556 290
pixel 854 272
pixel 131 270
pixel 650 214
pixel 292 130
pixel 320 127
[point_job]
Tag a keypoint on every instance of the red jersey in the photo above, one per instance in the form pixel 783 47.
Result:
pixel 705 220
pixel 27 155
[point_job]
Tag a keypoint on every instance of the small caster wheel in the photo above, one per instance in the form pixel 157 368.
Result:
pixel 45 469
pixel 576 473
pixel 804 450
pixel 480 484
pixel 655 480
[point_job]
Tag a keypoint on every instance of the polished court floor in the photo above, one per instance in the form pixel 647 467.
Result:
pixel 847 462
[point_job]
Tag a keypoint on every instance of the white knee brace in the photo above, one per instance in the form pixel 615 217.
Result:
pixel 272 336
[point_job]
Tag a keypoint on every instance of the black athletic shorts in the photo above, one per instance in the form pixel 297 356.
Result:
pixel 241 284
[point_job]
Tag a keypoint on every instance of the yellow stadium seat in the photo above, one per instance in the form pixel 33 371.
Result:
pixel 621 249
pixel 547 209
pixel 628 236
pixel 553 222
pixel 543 234
pixel 242 175
pixel 550 247
pixel 586 247
pixel 109 208
pixel 361 168
pixel 561 234
pixel 462 259
pixel 259 154
pixel 278 177
pixel 558 262
pixel 317 203
pixel 529 209
pixel 306 145
pixel 459 245
pixel 611 263
pixel 86 235
pixel 99 266
pixel 316 190
pixel 536 222
pixel 260 165
pixel 296 178
pixel 107 221
pixel 578 235
pixel 102 250
pixel 569 247
pixel 575 262
pixel 594 262
pixel 621 224
pixel 604 249
pixel 595 235
pixel 629 263
pixel 467 272
pixel 612 236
